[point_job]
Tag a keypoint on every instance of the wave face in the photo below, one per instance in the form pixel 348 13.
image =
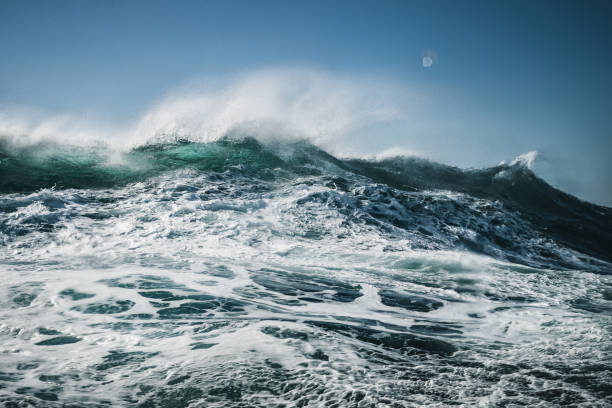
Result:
pixel 241 273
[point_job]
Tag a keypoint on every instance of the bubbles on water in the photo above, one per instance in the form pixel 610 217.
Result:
pixel 305 289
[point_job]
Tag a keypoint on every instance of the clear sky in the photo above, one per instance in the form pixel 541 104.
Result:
pixel 507 76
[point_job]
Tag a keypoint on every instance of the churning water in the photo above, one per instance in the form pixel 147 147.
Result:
pixel 236 273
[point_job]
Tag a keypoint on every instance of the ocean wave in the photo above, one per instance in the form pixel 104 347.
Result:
pixel 504 211
pixel 248 272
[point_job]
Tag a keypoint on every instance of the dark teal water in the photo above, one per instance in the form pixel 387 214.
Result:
pixel 235 273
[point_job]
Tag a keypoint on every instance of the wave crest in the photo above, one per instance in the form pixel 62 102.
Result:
pixel 284 104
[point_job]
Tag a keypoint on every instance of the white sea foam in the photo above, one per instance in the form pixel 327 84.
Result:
pixel 307 278
pixel 525 159
pixel 313 286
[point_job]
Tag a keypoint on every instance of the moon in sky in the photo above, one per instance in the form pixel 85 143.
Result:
pixel 427 62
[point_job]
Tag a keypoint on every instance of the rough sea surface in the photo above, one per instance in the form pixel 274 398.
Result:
pixel 241 274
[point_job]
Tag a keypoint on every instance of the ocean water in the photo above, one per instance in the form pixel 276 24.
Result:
pixel 237 273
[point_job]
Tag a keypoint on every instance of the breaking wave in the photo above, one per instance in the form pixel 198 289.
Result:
pixel 202 267
pixel 521 206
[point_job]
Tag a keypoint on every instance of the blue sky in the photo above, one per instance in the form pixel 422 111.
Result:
pixel 508 76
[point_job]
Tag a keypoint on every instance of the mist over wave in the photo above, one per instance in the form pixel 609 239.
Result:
pixel 285 104
pixel 220 252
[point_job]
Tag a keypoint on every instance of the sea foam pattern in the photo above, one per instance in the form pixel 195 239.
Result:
pixel 244 273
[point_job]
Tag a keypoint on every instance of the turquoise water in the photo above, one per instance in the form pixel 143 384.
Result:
pixel 236 273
